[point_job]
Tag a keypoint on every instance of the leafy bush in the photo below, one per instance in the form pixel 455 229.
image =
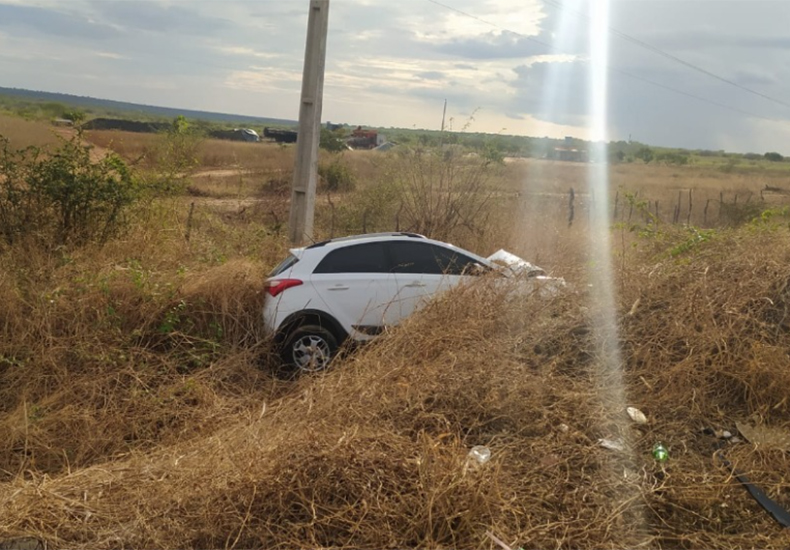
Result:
pixel 735 214
pixel 332 141
pixel 645 154
pixel 62 197
pixel 337 175
pixel 671 157
pixel 175 157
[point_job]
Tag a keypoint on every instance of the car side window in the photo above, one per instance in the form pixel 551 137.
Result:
pixel 426 258
pixel 359 258
pixel 456 263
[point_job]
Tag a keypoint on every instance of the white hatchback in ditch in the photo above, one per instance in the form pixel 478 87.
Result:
pixel 354 287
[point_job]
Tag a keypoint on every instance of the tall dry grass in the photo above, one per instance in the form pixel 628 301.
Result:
pixel 139 407
pixel 374 452
pixel 127 342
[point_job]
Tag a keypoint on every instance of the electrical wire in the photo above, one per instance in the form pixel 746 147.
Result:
pixel 672 57
pixel 554 49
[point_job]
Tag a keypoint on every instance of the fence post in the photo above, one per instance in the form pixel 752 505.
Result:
pixel 721 203
pixel 570 207
pixel 189 222
pixel 616 200
pixel 705 213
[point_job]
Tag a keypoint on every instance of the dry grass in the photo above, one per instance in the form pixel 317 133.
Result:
pixel 23 133
pixel 139 407
pixel 118 342
pixel 373 453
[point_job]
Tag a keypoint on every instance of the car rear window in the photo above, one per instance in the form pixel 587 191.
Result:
pixel 285 264
pixel 359 258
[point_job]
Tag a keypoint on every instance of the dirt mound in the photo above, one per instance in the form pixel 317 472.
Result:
pixel 374 453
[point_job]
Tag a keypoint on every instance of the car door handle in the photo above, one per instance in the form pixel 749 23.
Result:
pixel 415 284
pixel 338 287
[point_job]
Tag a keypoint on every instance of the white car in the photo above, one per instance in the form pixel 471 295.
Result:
pixel 354 287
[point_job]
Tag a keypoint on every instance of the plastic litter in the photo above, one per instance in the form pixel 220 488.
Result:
pixel 480 454
pixel 636 415
pixel 612 444
pixel 765 437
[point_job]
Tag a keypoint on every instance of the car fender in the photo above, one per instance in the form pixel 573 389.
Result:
pixel 304 316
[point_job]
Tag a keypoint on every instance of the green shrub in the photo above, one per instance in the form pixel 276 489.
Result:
pixel 62 197
pixel 175 157
pixel 337 175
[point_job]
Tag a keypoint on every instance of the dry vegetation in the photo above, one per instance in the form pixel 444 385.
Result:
pixel 140 407
pixel 24 133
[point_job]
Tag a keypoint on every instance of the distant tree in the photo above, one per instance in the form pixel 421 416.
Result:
pixel 176 156
pixel 75 115
pixel 645 154
pixel 332 141
pixel 53 109
pixel 493 152
pixel 774 157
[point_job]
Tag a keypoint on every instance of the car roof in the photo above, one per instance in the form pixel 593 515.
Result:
pixel 366 237
pixel 384 237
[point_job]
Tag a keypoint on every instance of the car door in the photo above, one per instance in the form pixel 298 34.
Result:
pixel 422 270
pixel 352 283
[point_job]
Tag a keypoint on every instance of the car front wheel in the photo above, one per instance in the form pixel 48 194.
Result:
pixel 309 348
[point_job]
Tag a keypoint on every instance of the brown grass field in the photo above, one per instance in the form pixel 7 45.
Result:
pixel 140 405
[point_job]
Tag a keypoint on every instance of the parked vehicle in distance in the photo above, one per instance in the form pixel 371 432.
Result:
pixel 354 287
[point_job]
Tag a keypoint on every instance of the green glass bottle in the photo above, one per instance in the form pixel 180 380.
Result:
pixel 660 453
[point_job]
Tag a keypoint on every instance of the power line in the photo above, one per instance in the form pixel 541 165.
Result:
pixel 673 57
pixel 623 72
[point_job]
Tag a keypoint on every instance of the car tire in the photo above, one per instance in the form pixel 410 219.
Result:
pixel 309 348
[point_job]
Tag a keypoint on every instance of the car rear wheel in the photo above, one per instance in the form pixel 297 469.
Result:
pixel 309 348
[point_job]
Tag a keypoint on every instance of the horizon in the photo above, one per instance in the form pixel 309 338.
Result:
pixel 229 116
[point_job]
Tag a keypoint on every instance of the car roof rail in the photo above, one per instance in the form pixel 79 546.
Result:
pixel 368 236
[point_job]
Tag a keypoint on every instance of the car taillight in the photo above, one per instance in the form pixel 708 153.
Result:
pixel 276 287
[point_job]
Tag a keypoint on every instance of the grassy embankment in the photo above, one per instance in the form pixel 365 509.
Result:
pixel 140 409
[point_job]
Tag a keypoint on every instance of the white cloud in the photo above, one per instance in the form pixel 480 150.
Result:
pixel 110 55
pixel 394 63
pixel 523 17
pixel 261 79
pixel 247 52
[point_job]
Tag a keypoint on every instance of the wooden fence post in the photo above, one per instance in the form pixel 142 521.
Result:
pixel 705 213
pixel 188 232
pixel 570 207
pixel 616 200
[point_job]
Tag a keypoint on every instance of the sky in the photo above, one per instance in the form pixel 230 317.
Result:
pixel 503 66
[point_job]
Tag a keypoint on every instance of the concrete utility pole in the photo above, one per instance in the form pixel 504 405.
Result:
pixel 300 223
